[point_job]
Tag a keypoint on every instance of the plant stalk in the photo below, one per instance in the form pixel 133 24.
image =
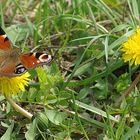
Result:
pixel 18 108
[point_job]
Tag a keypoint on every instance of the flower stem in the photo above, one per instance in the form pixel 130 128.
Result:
pixel 18 108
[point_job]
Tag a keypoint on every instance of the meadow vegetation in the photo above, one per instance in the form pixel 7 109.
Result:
pixel 80 94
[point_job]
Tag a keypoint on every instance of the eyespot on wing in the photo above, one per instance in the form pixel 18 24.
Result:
pixel 32 60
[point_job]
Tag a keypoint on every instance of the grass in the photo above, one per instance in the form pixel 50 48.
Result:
pixel 76 97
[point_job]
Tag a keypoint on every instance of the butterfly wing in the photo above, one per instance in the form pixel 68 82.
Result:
pixel 32 60
pixel 13 63
pixel 7 68
pixel 5 45
pixel 7 61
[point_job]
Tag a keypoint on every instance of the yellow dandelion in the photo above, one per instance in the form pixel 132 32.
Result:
pixel 13 85
pixel 131 48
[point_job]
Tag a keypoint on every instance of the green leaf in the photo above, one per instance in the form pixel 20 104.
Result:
pixel 7 134
pixel 120 130
pixel 55 116
pixel 95 110
pixel 42 121
pixel 17 33
pixel 82 69
pixel 132 131
pixel 83 93
pixel 31 133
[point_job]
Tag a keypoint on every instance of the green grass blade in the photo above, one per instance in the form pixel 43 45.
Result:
pixel 95 110
pixel 132 131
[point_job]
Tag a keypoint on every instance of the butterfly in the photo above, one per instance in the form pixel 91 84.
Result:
pixel 15 63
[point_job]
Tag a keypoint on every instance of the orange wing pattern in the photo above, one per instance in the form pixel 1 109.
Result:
pixel 32 60
pixel 5 43
pixel 13 62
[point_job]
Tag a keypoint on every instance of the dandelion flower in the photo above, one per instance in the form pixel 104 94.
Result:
pixel 13 85
pixel 131 48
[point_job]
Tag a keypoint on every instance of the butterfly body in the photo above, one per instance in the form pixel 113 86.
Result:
pixel 13 62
